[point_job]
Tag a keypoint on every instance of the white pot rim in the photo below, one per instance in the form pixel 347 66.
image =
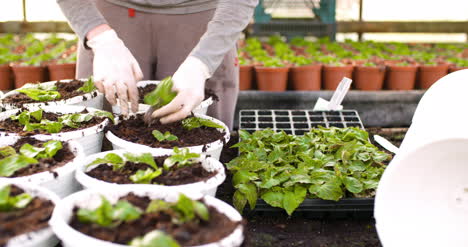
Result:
pixel 85 198
pixel 208 164
pixel 39 235
pixel 62 136
pixel 44 176
pixel 196 149
pixel 70 101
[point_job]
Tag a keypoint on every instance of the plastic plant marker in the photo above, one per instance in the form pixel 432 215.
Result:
pixel 386 144
pixel 335 103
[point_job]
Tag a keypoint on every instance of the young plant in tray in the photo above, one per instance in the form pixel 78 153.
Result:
pixel 283 169
pixel 10 203
pixel 11 161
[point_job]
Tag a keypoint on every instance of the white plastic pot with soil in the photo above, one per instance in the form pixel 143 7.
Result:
pixel 89 138
pixel 43 237
pixel 60 180
pixel 200 109
pixel 91 199
pixel 207 187
pixel 93 99
pixel 212 149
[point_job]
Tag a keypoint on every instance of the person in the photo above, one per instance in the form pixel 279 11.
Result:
pixel 125 41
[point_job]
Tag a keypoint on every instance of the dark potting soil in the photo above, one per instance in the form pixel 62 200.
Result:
pixel 62 157
pixel 136 130
pixel 142 91
pixel 9 125
pixel 175 176
pixel 32 218
pixel 67 90
pixel 188 234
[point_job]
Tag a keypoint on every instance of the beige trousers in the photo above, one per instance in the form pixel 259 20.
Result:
pixel 160 43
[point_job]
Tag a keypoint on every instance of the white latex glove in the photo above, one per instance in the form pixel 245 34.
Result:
pixel 189 83
pixel 115 70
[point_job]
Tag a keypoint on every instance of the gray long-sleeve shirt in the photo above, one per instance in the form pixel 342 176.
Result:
pixel 230 18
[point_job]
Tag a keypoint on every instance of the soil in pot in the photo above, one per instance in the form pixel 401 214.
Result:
pixel 191 233
pixel 14 126
pixel 28 74
pixel 429 74
pixel 33 217
pixel 174 176
pixel 142 91
pixel 135 130
pixel 401 77
pixel 245 77
pixel 62 157
pixel 67 90
pixel 6 82
pixel 332 75
pixel 272 79
pixel 61 71
pixel 306 78
pixel 369 78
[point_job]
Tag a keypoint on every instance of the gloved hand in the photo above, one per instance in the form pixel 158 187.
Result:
pixel 116 71
pixel 189 83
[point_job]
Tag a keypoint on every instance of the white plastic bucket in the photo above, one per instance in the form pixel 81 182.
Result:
pixel 42 238
pixel 94 99
pixel 62 182
pixel 90 138
pixel 211 149
pixel 207 187
pixel 202 108
pixel 92 198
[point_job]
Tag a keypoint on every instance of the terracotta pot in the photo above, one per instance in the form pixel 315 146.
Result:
pixel 453 69
pixel 28 74
pixel 332 75
pixel 369 78
pixel 429 74
pixel 306 78
pixel 245 77
pixel 272 79
pixel 61 71
pixel 401 77
pixel 6 79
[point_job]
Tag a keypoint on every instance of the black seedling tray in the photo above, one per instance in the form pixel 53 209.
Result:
pixel 297 122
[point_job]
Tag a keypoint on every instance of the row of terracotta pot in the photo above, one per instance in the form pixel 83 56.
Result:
pixel 16 76
pixel 316 77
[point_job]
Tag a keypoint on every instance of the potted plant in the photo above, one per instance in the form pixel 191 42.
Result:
pixel 6 76
pixel 305 75
pixel 333 71
pixel 245 73
pixel 50 164
pixel 30 70
pixel 63 68
pixel 179 170
pixel 430 70
pixel 401 76
pixel 120 216
pixel 272 75
pixel 25 210
pixel 83 124
pixel 369 76
pixel 64 92
pixel 458 64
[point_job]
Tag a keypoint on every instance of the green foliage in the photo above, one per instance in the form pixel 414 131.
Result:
pixel 284 169
pixel 183 211
pixel 10 203
pixel 88 86
pixel 196 122
pixel 108 215
pixel 181 158
pixel 40 92
pixel 145 176
pixel 154 238
pixel 167 136
pixel 161 95
pixel 301 60
pixel 272 62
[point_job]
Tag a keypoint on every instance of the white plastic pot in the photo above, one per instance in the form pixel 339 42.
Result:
pixel 211 149
pixel 207 187
pixel 422 197
pixel 42 238
pixel 94 99
pixel 62 182
pixel 200 109
pixel 90 138
pixel 92 198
